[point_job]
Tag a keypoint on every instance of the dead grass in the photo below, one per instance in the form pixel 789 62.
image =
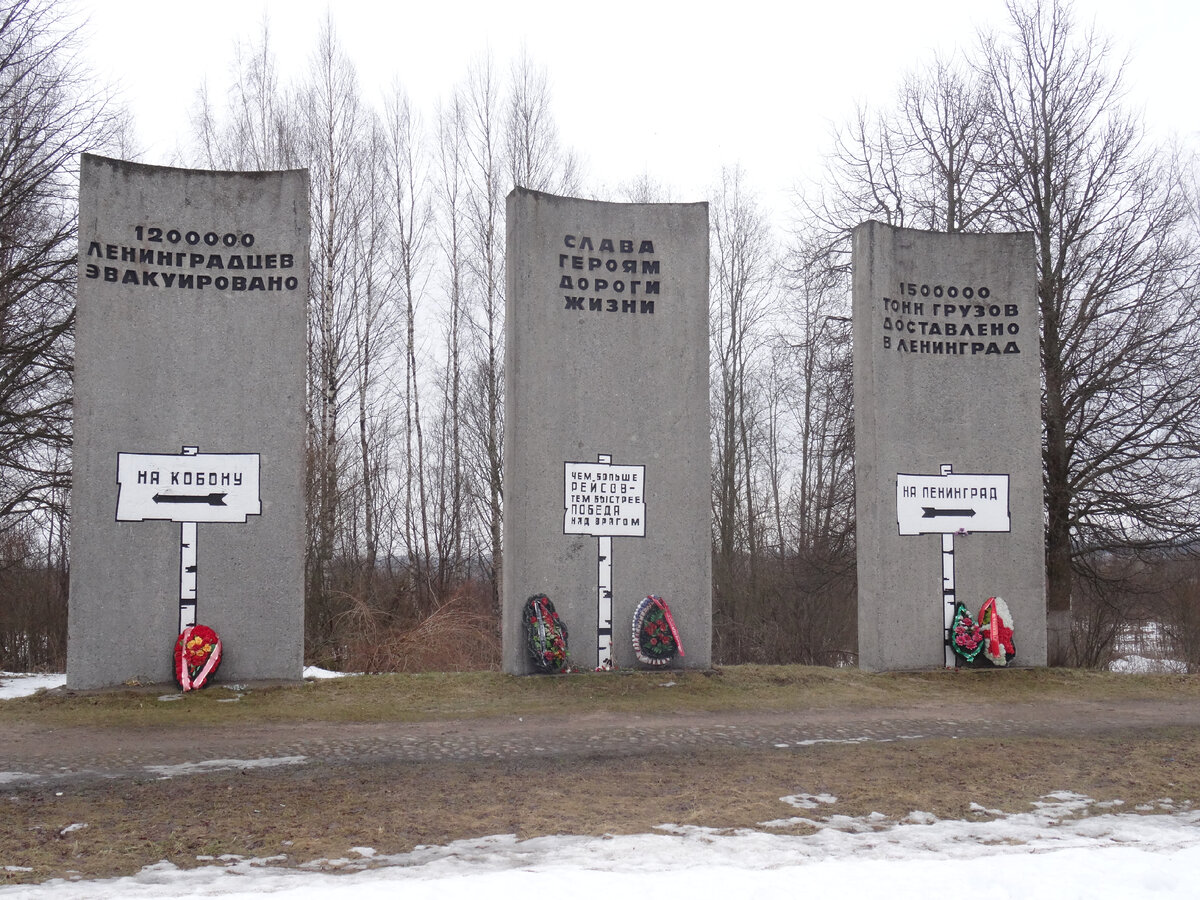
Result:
pixel 432 696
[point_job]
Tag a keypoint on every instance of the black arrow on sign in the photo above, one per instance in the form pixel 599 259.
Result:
pixel 932 512
pixel 214 499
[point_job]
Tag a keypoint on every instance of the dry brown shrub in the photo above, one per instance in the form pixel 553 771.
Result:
pixel 33 606
pixel 455 637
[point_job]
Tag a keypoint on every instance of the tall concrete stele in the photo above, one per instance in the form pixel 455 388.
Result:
pixel 188 502
pixel 947 426
pixel 606 441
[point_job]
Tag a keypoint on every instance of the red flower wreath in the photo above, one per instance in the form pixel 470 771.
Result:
pixel 197 655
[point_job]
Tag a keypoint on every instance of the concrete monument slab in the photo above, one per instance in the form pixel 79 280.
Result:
pixel 947 422
pixel 188 500
pixel 606 448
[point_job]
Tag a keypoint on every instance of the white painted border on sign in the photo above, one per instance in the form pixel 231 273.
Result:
pixel 604 500
pixel 952 503
pixel 187 487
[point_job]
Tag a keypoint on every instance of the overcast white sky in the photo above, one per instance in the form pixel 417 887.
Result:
pixel 673 89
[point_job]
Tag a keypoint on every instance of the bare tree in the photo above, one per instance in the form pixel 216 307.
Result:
pixel 817 311
pixel 644 189
pixel 951 148
pixel 484 207
pixel 1117 264
pixel 742 273
pixel 257 127
pixel 933 163
pixel 411 206
pixel 452 524
pixel 335 123
pixel 51 112
pixel 865 179
pixel 1036 138
pixel 373 328
pixel 535 158
pixel 818 560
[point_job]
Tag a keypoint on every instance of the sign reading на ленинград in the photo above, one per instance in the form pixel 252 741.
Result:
pixel 946 504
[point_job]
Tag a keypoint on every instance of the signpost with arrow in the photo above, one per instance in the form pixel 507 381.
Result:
pixel 188 487
pixel 949 504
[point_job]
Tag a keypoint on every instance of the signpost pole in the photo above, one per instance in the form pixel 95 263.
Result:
pixel 188 487
pixel 187 574
pixel 604 501
pixel 948 596
pixel 187 564
pixel 604 593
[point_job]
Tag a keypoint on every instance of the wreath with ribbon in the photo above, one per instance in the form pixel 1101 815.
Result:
pixel 197 656
pixel 989 636
pixel 655 637
pixel 545 635
pixel 995 622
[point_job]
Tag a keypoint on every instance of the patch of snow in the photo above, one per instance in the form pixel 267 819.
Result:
pixel 812 742
pixel 1134 664
pixel 221 765
pixel 916 817
pixel 18 684
pixel 11 777
pixel 808 801
pixel 318 672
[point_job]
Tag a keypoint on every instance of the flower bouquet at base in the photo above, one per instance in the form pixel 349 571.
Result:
pixel 655 638
pixel 197 656
pixel 987 639
pixel 545 635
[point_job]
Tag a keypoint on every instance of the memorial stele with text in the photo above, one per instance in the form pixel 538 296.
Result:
pixel 187 503
pixel 947 427
pixel 606 440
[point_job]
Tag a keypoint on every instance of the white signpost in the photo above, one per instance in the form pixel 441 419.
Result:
pixel 949 504
pixel 188 487
pixel 606 501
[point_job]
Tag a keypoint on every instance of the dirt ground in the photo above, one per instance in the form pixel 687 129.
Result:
pixel 91 800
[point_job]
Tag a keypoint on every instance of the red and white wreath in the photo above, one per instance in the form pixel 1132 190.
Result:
pixel 197 655
pixel 996 625
pixel 989 635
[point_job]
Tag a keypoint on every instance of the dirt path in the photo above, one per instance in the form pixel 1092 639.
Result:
pixel 33 754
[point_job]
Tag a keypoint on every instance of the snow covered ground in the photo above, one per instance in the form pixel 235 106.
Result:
pixel 1066 846
pixel 13 684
